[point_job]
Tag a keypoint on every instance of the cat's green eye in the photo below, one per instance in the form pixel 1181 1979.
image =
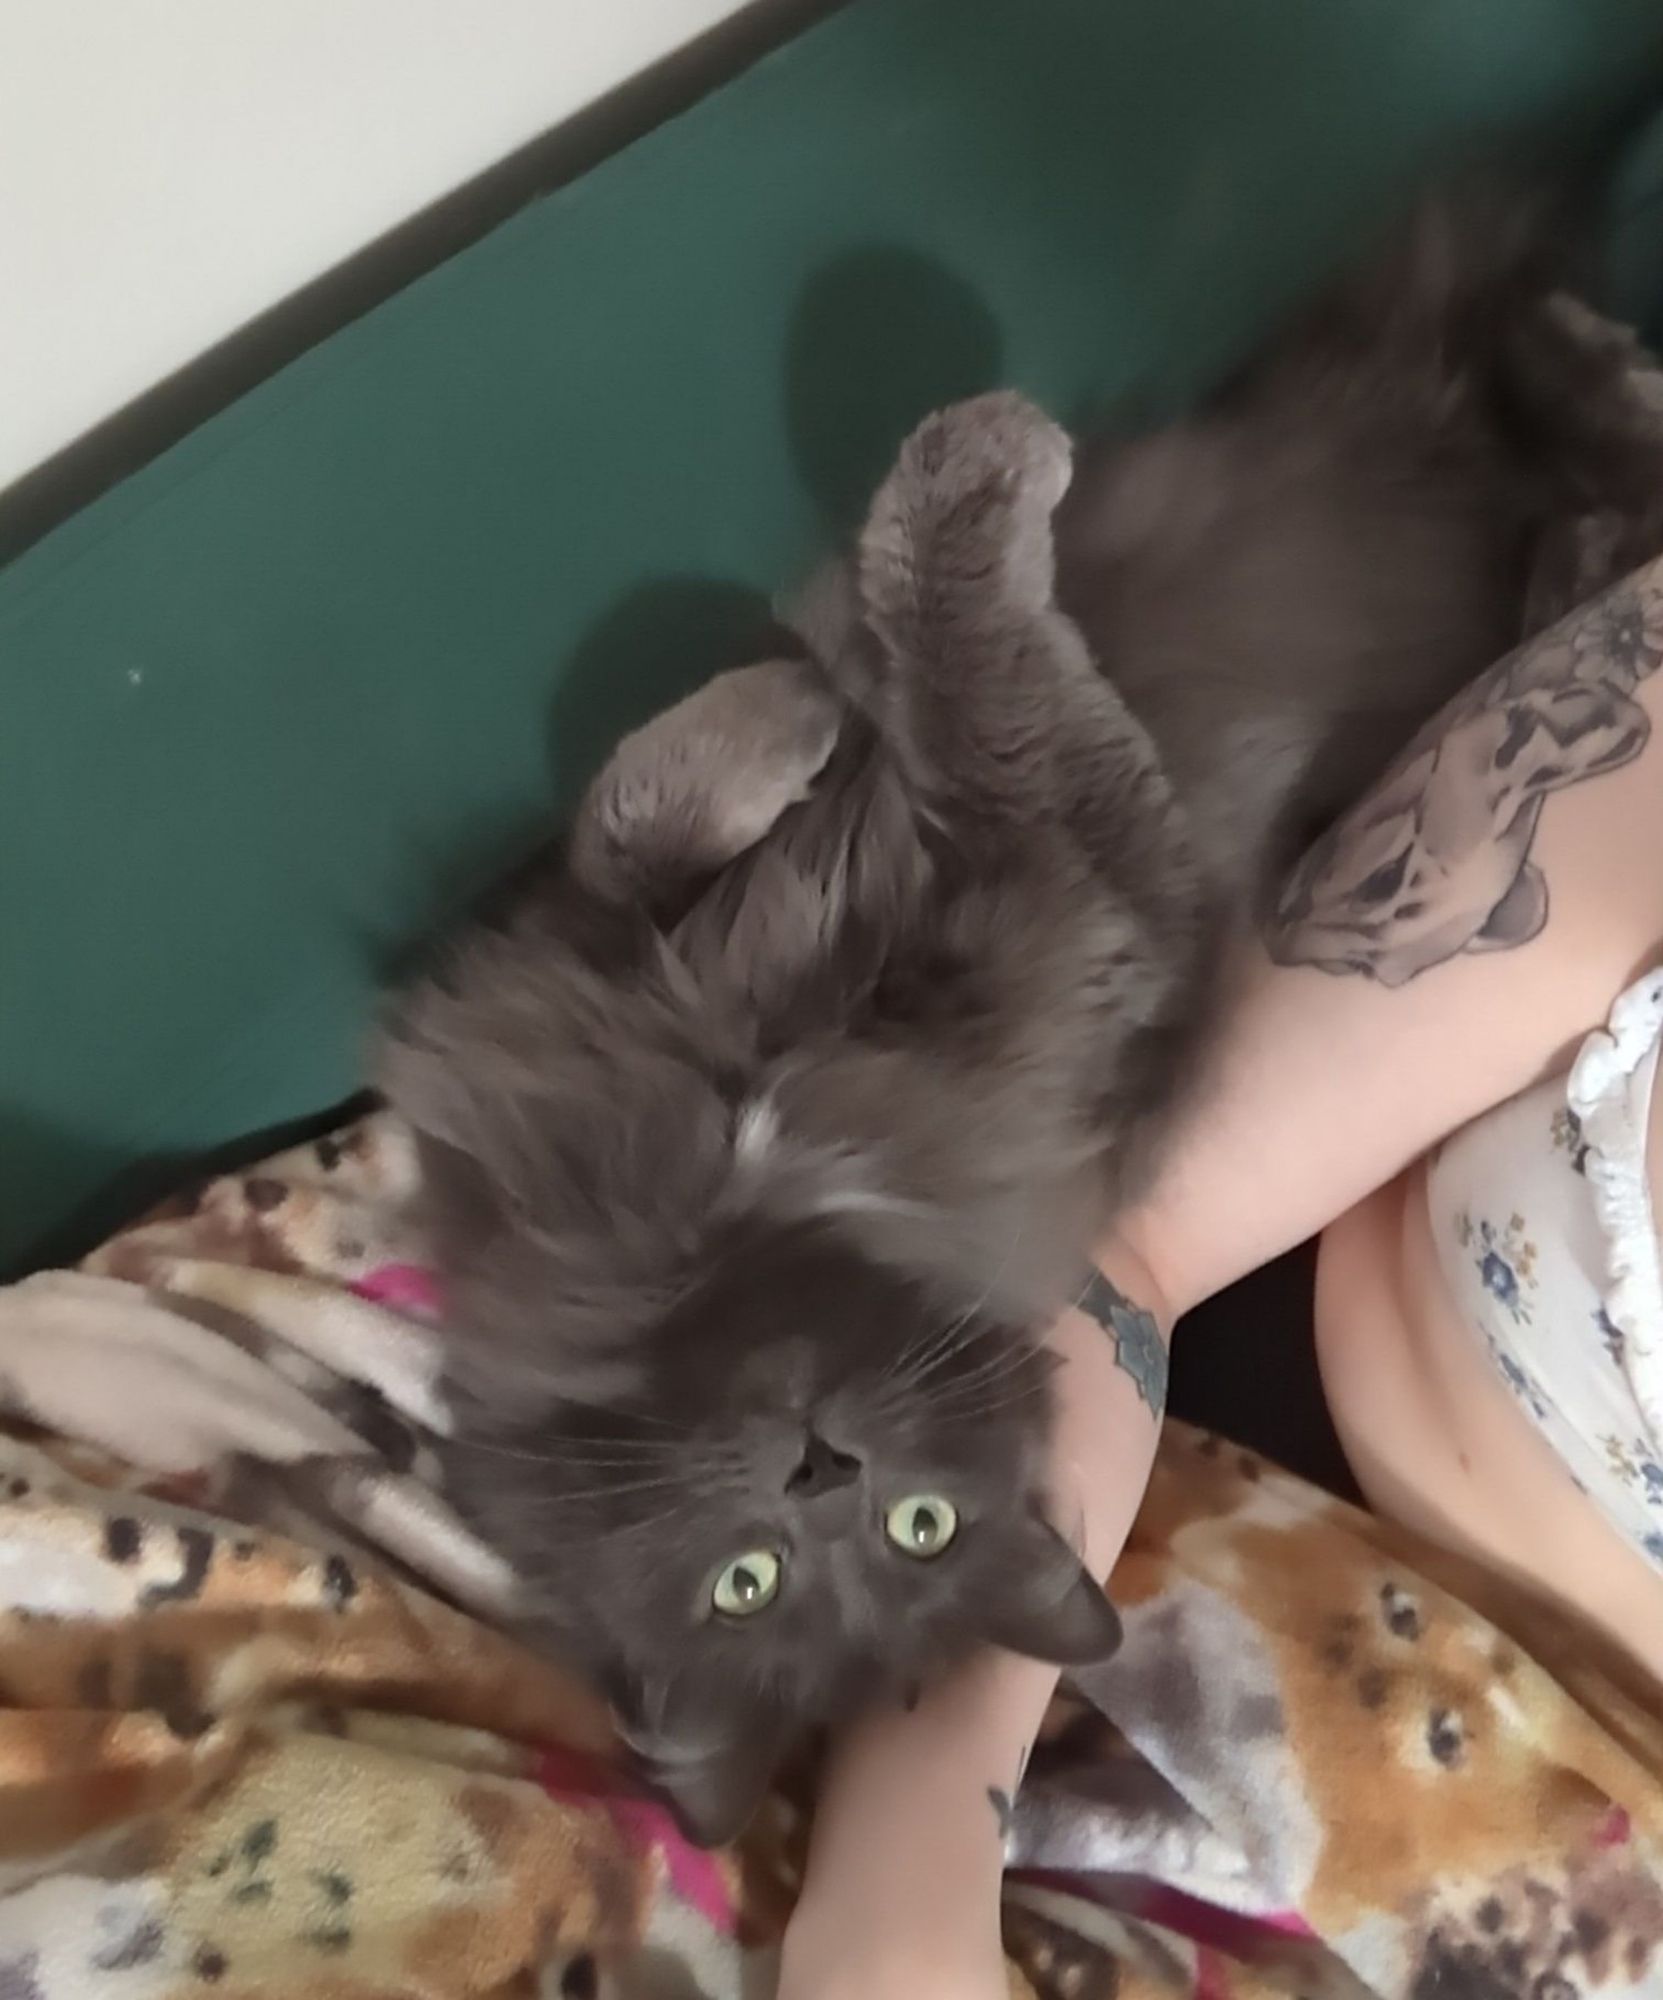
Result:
pixel 747 1585
pixel 922 1524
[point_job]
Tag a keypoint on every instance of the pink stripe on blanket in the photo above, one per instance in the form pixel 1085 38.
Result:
pixel 1231 1931
pixel 1223 1930
pixel 402 1288
pixel 1223 1939
pixel 694 1876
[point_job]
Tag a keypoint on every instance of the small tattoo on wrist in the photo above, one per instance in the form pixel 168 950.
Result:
pixel 1138 1346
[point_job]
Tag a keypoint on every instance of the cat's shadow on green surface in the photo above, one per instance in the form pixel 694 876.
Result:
pixel 879 337
pixel 657 643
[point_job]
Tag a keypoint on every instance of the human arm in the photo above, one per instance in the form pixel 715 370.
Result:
pixel 1440 949
pixel 908 1845
pixel 1443 947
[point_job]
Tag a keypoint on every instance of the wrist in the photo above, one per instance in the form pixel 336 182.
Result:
pixel 1139 1255
pixel 928 1912
pixel 894 1948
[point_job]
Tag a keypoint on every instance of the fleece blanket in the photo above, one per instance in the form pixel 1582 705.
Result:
pixel 259 1736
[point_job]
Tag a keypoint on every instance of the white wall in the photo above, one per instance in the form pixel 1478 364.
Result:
pixel 168 168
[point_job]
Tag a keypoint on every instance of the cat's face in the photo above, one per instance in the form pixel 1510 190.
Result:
pixel 817 1492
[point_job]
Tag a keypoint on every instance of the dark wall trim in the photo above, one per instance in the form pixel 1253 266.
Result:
pixel 121 444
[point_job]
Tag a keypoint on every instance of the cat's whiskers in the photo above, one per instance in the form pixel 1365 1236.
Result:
pixel 615 1453
pixel 557 1454
pixel 944 1365
pixel 918 1357
pixel 1003 1355
pixel 632 1415
pixel 997 1368
pixel 1006 1396
pixel 591 1460
pixel 615 1490
pixel 922 1357
pixel 963 1400
pixel 936 1348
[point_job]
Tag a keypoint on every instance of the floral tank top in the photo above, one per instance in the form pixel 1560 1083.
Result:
pixel 1543 1218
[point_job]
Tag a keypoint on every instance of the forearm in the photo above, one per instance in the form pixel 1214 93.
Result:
pixel 935 1782
pixel 1443 947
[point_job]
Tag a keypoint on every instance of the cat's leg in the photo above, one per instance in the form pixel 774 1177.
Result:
pixel 703 782
pixel 963 522
pixel 1082 902
pixel 986 690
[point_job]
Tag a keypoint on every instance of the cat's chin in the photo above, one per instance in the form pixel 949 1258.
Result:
pixel 713 1791
pixel 713 1782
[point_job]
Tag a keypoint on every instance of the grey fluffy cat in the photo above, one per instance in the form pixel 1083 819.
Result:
pixel 765 1125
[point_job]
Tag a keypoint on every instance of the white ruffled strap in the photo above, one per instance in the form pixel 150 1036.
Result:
pixel 1610 1089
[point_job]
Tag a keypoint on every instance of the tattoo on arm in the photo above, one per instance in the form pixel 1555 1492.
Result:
pixel 1435 861
pixel 1138 1346
pixel 1003 1802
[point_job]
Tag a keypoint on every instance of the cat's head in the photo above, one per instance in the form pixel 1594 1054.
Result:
pixel 822 1486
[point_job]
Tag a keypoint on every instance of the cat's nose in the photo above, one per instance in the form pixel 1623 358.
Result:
pixel 821 1470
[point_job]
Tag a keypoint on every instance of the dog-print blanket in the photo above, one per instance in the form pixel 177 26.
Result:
pixel 259 1736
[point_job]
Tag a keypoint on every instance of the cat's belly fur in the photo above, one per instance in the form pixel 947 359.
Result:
pixel 1436 1441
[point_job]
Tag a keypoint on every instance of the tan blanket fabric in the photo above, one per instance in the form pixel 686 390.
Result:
pixel 258 1738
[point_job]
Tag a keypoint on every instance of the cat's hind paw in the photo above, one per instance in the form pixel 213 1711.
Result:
pixel 706 780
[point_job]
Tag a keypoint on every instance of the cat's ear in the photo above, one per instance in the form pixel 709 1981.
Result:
pixel 1049 1606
